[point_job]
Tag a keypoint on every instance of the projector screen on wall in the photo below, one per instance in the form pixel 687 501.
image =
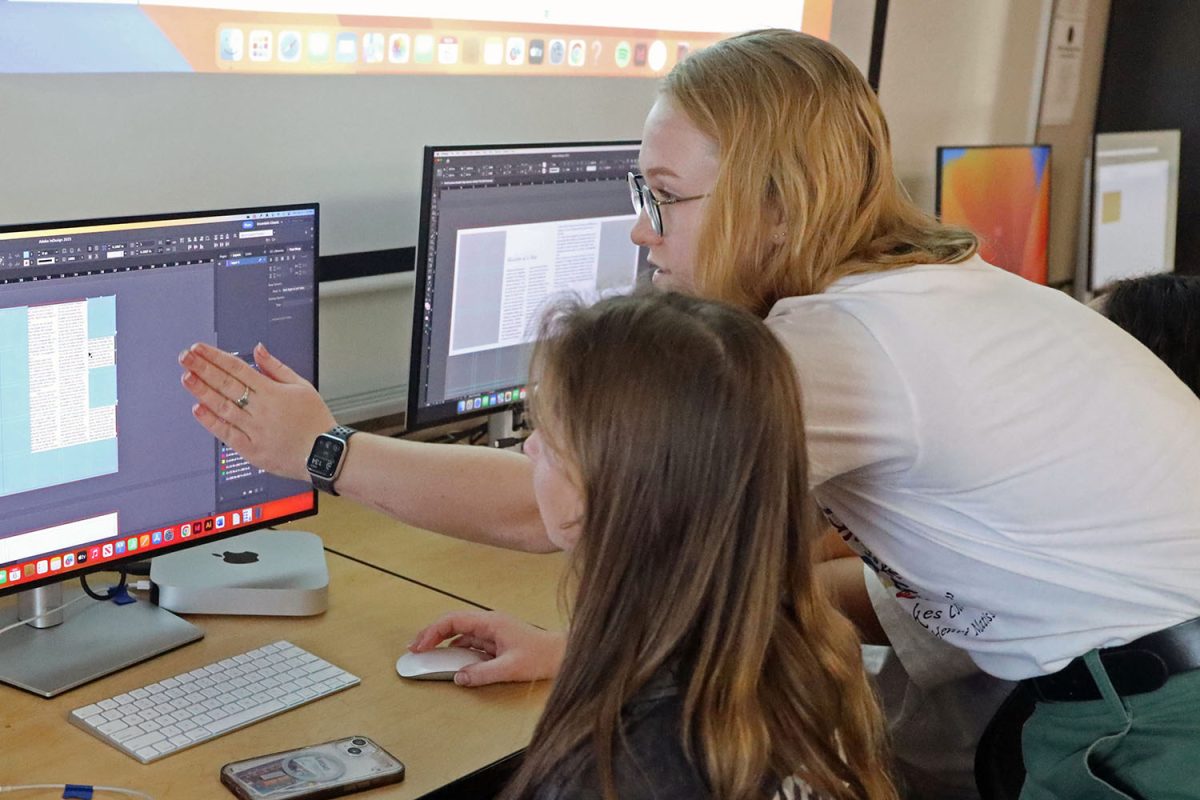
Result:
pixel 116 108
pixel 621 38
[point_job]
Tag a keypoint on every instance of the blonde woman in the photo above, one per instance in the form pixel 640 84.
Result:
pixel 1019 472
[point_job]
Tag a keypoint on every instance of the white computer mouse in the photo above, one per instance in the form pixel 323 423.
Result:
pixel 438 664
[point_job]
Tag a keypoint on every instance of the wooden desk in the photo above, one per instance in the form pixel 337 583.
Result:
pixel 441 732
pixel 523 584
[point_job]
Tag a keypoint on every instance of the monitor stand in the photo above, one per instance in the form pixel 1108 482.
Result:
pixel 501 428
pixel 87 641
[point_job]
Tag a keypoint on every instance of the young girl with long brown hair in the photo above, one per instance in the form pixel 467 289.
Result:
pixel 702 659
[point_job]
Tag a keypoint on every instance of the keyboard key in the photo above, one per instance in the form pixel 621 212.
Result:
pixel 242 717
pixel 144 740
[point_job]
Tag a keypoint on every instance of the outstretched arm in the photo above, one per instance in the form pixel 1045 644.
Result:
pixel 841 571
pixel 471 493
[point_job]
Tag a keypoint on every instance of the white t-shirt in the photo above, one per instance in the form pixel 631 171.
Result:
pixel 1023 473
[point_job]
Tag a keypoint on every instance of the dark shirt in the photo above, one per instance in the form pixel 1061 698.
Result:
pixel 651 766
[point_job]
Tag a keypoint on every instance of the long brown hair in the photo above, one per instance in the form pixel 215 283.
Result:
pixel 680 419
pixel 805 193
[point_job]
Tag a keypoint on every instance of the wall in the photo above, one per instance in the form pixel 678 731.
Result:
pixel 959 72
pixel 106 145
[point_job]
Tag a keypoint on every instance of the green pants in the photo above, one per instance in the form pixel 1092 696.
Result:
pixel 1144 746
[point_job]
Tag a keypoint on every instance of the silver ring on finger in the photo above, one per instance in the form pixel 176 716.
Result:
pixel 244 400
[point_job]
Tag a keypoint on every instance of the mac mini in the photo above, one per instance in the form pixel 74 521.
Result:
pixel 271 573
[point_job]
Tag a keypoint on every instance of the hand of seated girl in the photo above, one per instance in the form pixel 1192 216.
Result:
pixel 520 652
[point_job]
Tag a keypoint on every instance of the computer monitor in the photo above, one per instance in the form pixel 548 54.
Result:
pixel 1002 193
pixel 504 229
pixel 1135 201
pixel 101 461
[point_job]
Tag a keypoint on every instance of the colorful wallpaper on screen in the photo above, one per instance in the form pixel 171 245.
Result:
pixel 377 36
pixel 1003 195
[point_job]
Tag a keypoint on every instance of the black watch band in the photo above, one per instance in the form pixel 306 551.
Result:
pixel 326 482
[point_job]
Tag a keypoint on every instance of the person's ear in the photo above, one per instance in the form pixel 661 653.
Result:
pixel 778 222
pixel 779 232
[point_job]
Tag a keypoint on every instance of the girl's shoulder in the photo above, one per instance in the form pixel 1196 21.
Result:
pixel 649 762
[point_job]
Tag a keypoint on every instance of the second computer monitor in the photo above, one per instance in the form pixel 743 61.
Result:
pixel 1002 193
pixel 1135 201
pixel 504 230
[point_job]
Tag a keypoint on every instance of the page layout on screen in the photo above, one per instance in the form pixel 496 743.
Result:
pixel 509 230
pixel 100 456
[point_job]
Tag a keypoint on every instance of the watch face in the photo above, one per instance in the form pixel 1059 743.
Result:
pixel 326 453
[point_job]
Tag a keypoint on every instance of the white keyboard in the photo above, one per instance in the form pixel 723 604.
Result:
pixel 162 718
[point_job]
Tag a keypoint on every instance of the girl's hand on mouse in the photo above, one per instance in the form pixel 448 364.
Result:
pixel 520 652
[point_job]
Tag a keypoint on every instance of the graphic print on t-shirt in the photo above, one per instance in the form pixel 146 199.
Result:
pixel 942 617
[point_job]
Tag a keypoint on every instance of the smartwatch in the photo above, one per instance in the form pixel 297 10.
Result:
pixel 327 457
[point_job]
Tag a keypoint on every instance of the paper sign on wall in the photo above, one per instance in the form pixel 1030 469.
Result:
pixel 1064 64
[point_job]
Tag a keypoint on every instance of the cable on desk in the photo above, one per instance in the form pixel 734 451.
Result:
pixel 115 593
pixel 457 436
pixel 73 790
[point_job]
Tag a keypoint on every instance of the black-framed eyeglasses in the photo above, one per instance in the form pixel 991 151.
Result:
pixel 644 199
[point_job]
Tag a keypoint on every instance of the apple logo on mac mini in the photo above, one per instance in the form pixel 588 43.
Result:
pixel 230 557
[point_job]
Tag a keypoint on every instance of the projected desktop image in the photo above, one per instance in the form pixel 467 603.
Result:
pixel 101 461
pixel 1002 194
pixel 504 231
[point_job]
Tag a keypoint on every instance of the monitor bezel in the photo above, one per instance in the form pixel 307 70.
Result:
pixel 119 564
pixel 417 417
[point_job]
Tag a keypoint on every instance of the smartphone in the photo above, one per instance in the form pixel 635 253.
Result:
pixel 329 769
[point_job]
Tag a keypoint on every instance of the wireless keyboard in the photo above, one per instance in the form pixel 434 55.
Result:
pixel 175 713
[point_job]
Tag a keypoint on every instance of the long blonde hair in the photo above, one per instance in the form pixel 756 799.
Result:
pixel 680 419
pixel 806 192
